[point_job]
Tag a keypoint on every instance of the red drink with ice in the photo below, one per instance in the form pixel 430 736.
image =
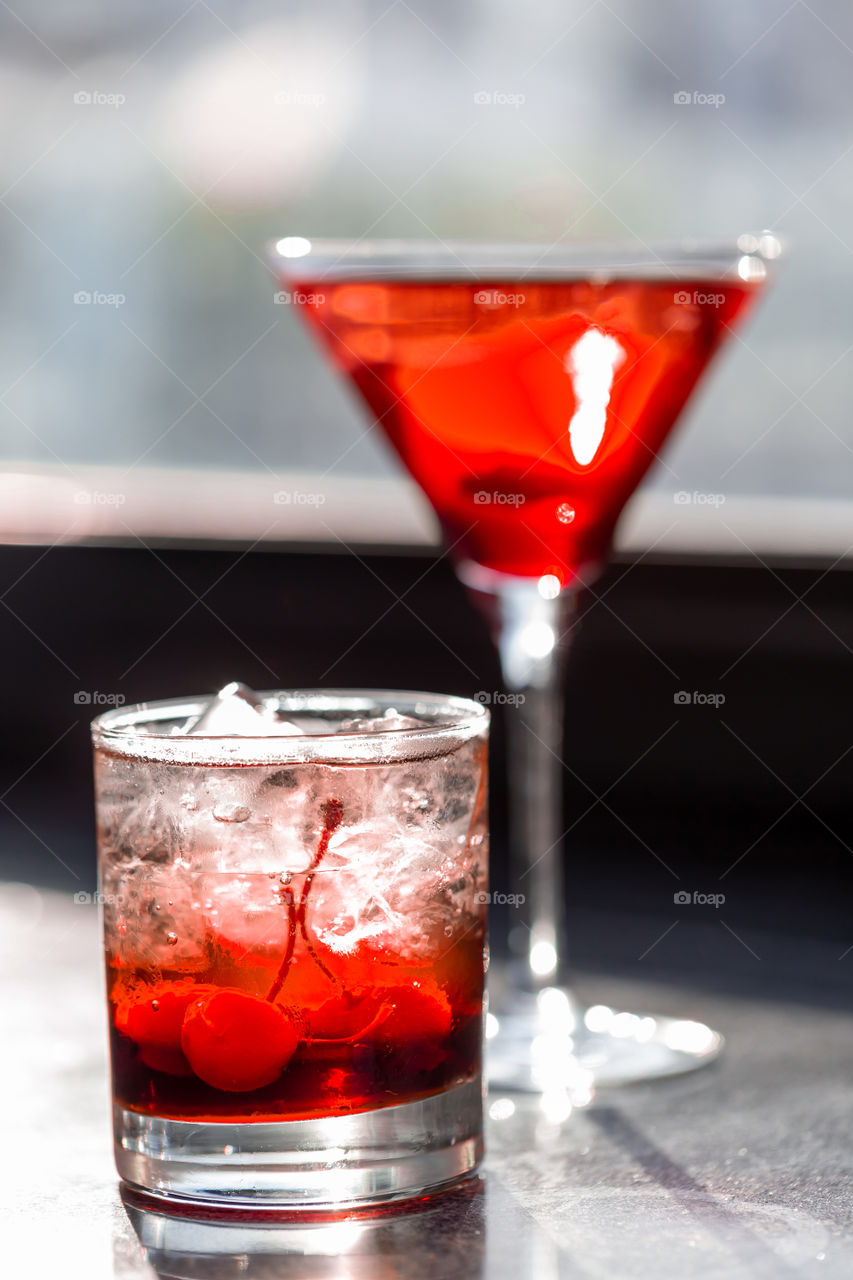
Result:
pixel 293 938
pixel 275 1022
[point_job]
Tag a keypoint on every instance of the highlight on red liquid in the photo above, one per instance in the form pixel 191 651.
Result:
pixel 528 412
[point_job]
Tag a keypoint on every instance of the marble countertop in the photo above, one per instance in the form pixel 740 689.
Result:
pixel 742 1170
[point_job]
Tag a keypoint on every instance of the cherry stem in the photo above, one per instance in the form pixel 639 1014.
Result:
pixel 382 1014
pixel 333 813
pixel 278 983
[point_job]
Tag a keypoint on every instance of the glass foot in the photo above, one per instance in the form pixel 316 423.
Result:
pixel 339 1162
pixel 550 1044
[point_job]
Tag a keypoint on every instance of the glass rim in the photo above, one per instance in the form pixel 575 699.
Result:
pixel 744 257
pixel 458 720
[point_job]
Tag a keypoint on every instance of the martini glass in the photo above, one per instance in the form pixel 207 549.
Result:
pixel 528 389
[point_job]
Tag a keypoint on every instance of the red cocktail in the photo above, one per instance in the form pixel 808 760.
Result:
pixel 528 389
pixel 294 933
pixel 528 412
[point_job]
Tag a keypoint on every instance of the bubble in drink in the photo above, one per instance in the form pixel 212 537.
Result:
pixel 232 813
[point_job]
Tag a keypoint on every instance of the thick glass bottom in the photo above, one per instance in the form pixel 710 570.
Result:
pixel 373 1157
pixel 548 1043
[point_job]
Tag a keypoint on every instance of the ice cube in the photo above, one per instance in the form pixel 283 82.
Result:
pixel 389 720
pixel 382 885
pixel 245 910
pixel 237 712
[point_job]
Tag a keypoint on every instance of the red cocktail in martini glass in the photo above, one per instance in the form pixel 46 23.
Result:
pixel 528 390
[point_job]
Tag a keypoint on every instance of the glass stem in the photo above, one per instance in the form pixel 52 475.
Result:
pixel 533 734
pixel 531 632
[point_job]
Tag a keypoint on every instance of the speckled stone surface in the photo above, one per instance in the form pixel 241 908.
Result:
pixel 740 1171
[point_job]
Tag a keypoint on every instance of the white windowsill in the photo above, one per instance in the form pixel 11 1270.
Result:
pixel 105 504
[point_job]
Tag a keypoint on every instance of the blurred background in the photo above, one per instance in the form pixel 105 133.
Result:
pixel 156 401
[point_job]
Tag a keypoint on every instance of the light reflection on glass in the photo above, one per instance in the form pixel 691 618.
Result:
pixel 751 269
pixel 538 639
pixel 645 1030
pixel 549 586
pixel 502 1109
pixel 548 1051
pixel 624 1025
pixel 556 1105
pixel 769 246
pixel 293 247
pixel 591 363
pixel 598 1017
pixel 543 958
pixel 556 1010
pixel 690 1037
pixel 564 1084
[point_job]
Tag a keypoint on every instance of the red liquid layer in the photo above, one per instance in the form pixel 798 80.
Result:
pixel 527 412
pixel 221 1037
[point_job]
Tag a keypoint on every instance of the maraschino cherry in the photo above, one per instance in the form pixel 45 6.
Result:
pixel 153 1020
pixel 417 1012
pixel 237 1042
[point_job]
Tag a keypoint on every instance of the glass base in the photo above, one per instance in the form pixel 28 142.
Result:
pixel 343 1162
pixel 388 1241
pixel 548 1043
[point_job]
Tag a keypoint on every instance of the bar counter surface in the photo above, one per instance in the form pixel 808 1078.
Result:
pixel 740 1171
